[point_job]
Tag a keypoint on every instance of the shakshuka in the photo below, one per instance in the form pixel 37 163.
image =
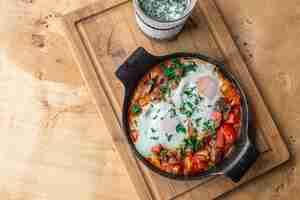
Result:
pixel 184 116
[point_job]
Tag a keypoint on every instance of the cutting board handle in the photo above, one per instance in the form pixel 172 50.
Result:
pixel 136 66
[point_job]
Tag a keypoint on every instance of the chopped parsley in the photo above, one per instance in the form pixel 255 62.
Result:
pixel 162 65
pixel 170 72
pixel 189 141
pixel 177 79
pixel 153 130
pixel 154 138
pixel 193 143
pixel 176 63
pixel 197 101
pixel 180 128
pixel 188 113
pixel 172 112
pixel 165 90
pixel 136 108
pixel 135 122
pixel 198 121
pixel 191 66
pixel 190 105
pixel 169 137
pixel 165 10
pixel 187 108
pixel 210 126
pixel 188 91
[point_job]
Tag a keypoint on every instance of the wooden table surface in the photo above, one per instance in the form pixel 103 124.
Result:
pixel 54 145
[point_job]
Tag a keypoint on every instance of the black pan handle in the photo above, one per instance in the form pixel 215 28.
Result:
pixel 136 66
pixel 246 161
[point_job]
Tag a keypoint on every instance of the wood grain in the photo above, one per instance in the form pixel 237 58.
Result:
pixel 99 47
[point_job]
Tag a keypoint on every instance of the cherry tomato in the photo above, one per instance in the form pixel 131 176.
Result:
pixel 236 110
pixel 198 164
pixel 233 96
pixel 229 133
pixel 156 149
pixel 236 100
pixel 220 138
pixel 232 118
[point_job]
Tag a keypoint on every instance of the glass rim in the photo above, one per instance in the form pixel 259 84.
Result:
pixel 187 12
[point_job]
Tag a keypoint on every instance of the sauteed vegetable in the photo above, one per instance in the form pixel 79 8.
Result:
pixel 184 116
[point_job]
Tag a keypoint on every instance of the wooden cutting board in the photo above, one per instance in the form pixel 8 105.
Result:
pixel 104 34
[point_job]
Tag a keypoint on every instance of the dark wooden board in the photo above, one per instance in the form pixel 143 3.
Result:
pixel 102 35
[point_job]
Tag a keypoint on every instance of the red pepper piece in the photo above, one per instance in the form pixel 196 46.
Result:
pixel 229 133
pixel 156 149
pixel 220 138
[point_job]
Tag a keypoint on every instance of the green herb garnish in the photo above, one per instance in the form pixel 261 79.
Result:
pixel 197 145
pixel 188 113
pixel 162 65
pixel 180 128
pixel 136 108
pixel 210 125
pixel 153 130
pixel 189 141
pixel 188 91
pixel 170 72
pixel 187 109
pixel 197 101
pixel 176 63
pixel 193 143
pixel 165 90
pixel 154 138
pixel 190 105
pixel 165 10
pixel 189 67
pixel 169 137
pixel 198 120
pixel 172 112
